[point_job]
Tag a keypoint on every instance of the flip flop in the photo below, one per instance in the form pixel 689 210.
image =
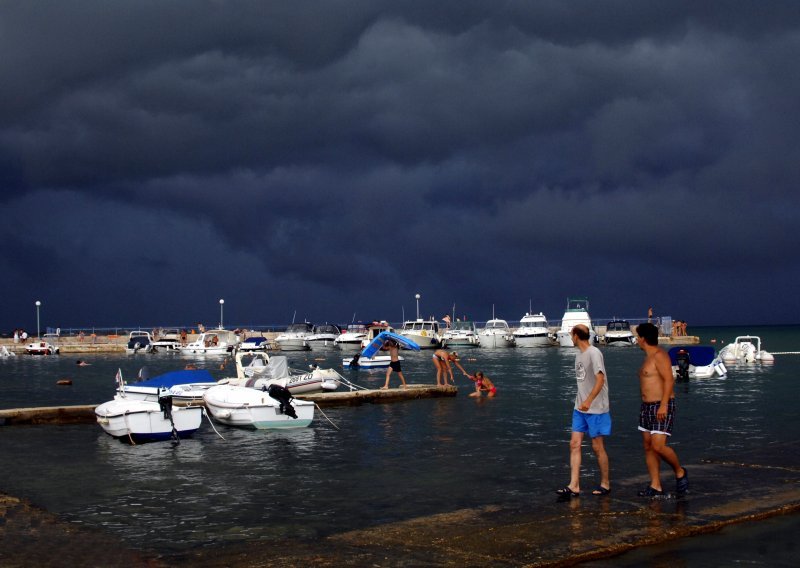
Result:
pixel 567 492
pixel 600 490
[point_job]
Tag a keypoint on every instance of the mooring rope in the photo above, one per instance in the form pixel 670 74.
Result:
pixel 210 421
pixel 346 382
pixel 326 416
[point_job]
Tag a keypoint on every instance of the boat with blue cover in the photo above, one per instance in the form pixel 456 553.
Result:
pixel 696 361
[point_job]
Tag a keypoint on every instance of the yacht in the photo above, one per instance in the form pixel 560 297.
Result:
pixel 351 338
pixel 295 338
pixel 618 332
pixel 323 337
pixel 424 333
pixel 577 312
pixel 496 333
pixel 533 331
pixel 213 342
pixel 461 334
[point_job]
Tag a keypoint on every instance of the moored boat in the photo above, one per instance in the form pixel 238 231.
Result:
pixel 533 331
pixel 260 409
pixel 214 342
pixel 462 334
pixel 577 312
pixel 696 361
pixel 295 337
pixel 618 332
pixel 496 333
pixel 139 342
pixel 746 349
pixel 323 337
pixel 424 333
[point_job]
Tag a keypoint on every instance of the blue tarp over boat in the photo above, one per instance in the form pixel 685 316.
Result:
pixel 375 345
pixel 183 377
pixel 699 355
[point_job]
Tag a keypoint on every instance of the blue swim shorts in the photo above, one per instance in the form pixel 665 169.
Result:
pixel 595 424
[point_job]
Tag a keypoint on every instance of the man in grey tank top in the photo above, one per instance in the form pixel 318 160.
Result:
pixel 591 413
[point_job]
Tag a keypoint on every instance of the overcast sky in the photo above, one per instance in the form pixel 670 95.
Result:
pixel 331 159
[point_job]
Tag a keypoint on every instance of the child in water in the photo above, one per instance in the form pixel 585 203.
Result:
pixel 482 383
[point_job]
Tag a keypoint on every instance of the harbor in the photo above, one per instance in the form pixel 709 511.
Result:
pixel 435 481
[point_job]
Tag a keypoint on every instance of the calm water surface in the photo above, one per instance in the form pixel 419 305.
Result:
pixel 415 458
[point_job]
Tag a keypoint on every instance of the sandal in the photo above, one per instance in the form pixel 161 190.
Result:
pixel 600 490
pixel 567 492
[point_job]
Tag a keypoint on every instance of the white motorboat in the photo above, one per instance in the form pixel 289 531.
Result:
pixel 295 336
pixel 263 371
pixel 139 342
pixel 352 337
pixel 4 352
pixel 533 331
pixel 618 333
pixel 496 333
pixel 376 361
pixel 424 333
pixel 746 349
pixel 214 342
pixel 462 334
pixel 137 421
pixel 168 339
pixel 323 337
pixel 47 345
pixel 696 361
pixel 185 386
pixel 250 408
pixel 255 343
pixel 577 312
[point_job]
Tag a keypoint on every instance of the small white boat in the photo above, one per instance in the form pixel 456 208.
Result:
pixel 250 408
pixel 263 371
pixel 377 361
pixel 352 337
pixel 323 337
pixel 185 386
pixel 462 334
pixel 140 421
pixel 295 336
pixel 496 333
pixel 215 342
pixel 577 312
pixel 255 343
pixel 746 349
pixel 4 352
pixel 697 362
pixel 533 331
pixel 42 347
pixel 424 333
pixel 618 332
pixel 139 342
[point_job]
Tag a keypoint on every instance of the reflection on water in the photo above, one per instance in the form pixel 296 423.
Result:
pixel 411 459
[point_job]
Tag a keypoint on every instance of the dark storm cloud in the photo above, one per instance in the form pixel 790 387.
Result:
pixel 303 156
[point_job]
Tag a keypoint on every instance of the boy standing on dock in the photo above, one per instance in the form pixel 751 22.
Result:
pixel 394 362
pixel 657 412
pixel 591 413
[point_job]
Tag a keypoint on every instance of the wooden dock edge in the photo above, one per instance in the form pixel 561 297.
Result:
pixel 378 396
pixel 83 414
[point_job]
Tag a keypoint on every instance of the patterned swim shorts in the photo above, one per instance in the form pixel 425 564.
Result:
pixel 648 420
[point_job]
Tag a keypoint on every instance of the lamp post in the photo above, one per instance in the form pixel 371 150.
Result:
pixel 417 297
pixel 38 304
pixel 221 304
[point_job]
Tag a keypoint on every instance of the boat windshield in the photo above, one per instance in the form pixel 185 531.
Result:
pixel 618 326
pixel 464 325
pixel 496 325
pixel 326 329
pixel 298 328
pixel 356 328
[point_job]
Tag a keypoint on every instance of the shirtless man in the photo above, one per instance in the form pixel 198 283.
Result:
pixel 657 412
pixel 441 360
pixel 394 362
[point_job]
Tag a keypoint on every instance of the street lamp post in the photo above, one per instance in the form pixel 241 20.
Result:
pixel 417 297
pixel 38 304
pixel 221 303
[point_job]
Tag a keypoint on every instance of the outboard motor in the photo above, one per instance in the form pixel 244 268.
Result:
pixel 683 360
pixel 282 395
pixel 354 361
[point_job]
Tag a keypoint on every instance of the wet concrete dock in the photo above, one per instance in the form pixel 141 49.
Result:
pixel 540 531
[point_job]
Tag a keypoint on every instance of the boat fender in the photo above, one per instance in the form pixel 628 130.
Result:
pixel 64 382
pixel 721 369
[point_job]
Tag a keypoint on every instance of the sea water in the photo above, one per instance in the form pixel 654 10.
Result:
pixel 411 459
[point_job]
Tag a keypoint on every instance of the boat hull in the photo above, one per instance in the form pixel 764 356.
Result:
pixel 533 340
pixel 369 362
pixel 141 421
pixel 250 408
pixel 321 344
pixel 293 344
pixel 496 341
pixel 425 340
